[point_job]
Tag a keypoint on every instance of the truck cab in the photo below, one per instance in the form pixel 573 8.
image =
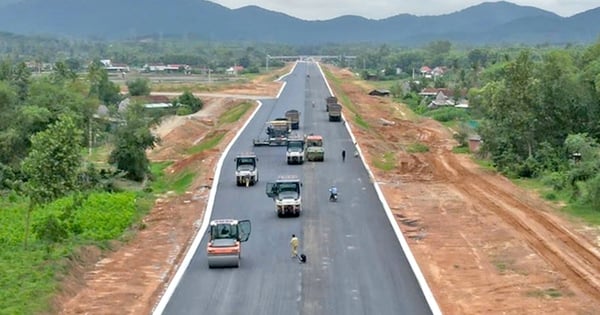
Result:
pixel 314 150
pixel 246 169
pixel 295 151
pixel 286 194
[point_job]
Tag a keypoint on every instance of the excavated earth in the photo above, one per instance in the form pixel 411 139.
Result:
pixel 483 244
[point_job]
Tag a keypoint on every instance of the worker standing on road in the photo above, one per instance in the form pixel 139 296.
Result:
pixel 294 242
pixel 343 155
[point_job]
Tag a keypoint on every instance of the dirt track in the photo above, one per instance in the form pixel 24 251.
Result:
pixel 484 245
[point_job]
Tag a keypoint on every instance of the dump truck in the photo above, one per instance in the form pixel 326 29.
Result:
pixel 246 169
pixel 224 247
pixel 314 150
pixel 286 194
pixel 277 132
pixel 330 100
pixel 335 112
pixel 295 150
pixel 294 117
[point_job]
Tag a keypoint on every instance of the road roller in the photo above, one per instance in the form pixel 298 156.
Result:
pixel 224 247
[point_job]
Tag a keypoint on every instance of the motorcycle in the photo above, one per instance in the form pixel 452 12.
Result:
pixel 333 194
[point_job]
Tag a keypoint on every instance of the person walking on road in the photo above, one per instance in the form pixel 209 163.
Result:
pixel 294 242
pixel 343 155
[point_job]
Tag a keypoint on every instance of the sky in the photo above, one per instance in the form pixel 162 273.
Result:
pixel 378 9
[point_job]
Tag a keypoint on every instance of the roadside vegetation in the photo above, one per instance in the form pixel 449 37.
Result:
pixel 536 109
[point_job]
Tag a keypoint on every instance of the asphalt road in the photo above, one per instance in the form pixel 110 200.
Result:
pixel 355 262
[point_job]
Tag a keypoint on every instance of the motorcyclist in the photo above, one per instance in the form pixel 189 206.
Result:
pixel 333 192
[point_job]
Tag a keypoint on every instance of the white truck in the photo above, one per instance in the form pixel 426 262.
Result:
pixel 246 169
pixel 295 150
pixel 287 195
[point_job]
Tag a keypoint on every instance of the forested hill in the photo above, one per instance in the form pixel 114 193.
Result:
pixel 486 23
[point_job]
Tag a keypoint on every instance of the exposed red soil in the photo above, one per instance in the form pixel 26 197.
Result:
pixel 483 244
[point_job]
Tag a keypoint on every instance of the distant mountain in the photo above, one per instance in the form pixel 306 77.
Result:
pixel 486 23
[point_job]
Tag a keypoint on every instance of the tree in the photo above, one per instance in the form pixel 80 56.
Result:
pixel 62 72
pixel 100 86
pixel 132 140
pixel 52 165
pixel 138 87
pixel 188 100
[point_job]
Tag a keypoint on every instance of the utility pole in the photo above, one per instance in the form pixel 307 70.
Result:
pixel 267 63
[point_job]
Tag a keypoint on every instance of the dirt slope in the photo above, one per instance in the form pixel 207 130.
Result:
pixel 484 245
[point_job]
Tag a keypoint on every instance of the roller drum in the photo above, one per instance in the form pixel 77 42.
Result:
pixel 223 261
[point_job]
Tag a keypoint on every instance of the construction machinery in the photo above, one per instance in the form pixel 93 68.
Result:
pixel 335 112
pixel 286 194
pixel 294 117
pixel 330 100
pixel 224 247
pixel 277 131
pixel 314 150
pixel 246 169
pixel 295 150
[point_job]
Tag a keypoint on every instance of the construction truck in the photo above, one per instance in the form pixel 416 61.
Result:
pixel 330 100
pixel 335 112
pixel 277 132
pixel 294 117
pixel 295 150
pixel 286 194
pixel 314 150
pixel 246 169
pixel 224 247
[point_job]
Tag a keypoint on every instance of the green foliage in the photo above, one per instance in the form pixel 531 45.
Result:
pixel 132 141
pixel 105 216
pixel 361 122
pixel 235 113
pixel 29 276
pixel 445 114
pixel 211 141
pixel 160 182
pixel 189 101
pixel 461 150
pixel 593 192
pixel 417 148
pixel 184 111
pixel 100 86
pixel 182 181
pixel 50 229
pixel 139 87
pixel 386 162
pixel 54 160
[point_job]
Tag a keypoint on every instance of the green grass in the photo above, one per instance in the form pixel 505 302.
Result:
pixel 99 154
pixel 361 122
pixel 163 182
pixel 417 148
pixel 234 114
pixel 30 276
pixel 182 181
pixel 563 199
pixel 461 150
pixel 160 183
pixel 210 142
pixel 545 293
pixel 386 162
pixel 180 87
pixel 485 164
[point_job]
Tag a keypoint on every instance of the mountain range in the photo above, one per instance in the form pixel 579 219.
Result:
pixel 487 23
